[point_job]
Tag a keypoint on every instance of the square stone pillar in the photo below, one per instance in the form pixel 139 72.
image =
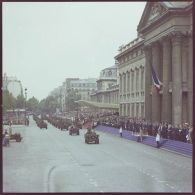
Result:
pixel 120 84
pixel 166 114
pixel 190 80
pixel 126 76
pixel 128 86
pixel 140 79
pixel 131 82
pixel 134 87
pixel 120 109
pixel 176 79
pixel 124 83
pixel 124 110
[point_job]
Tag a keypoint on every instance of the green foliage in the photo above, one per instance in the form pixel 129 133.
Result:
pixel 20 101
pixel 71 97
pixel 9 102
pixel 49 104
pixel 32 104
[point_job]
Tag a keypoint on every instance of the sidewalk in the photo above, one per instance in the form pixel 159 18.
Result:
pixel 166 144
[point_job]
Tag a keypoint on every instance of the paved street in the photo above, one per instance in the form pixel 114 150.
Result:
pixel 53 161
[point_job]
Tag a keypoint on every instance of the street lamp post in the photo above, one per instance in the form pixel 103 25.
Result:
pixel 25 103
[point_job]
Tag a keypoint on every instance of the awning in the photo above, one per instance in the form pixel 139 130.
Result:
pixel 97 104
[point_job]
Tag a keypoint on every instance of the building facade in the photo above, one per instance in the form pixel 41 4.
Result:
pixel 166 28
pixel 13 85
pixel 131 67
pixel 107 87
pixel 165 34
pixel 84 87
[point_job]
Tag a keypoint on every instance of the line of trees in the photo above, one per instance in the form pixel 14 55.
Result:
pixel 47 105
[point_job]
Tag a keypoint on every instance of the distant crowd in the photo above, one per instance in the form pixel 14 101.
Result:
pixel 166 130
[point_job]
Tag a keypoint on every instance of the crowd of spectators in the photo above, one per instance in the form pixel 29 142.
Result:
pixel 135 125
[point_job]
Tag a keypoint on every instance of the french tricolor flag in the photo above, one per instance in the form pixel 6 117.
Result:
pixel 155 79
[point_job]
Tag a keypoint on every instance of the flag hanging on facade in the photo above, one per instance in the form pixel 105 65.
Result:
pixel 155 79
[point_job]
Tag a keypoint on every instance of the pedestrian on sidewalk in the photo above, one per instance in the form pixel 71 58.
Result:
pixel 158 140
pixel 141 133
pixel 121 131
pixel 10 129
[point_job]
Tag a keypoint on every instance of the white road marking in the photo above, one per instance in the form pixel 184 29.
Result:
pixel 161 181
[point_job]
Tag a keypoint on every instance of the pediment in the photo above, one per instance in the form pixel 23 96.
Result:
pixel 152 12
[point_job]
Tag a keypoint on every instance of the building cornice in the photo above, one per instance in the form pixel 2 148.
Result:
pixel 132 61
pixel 130 49
pixel 163 18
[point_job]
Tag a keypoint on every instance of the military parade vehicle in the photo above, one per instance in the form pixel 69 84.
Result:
pixel 6 138
pixel 16 136
pixel 73 129
pixel 40 122
pixel 91 136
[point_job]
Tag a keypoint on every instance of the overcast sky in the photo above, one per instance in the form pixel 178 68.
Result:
pixel 45 43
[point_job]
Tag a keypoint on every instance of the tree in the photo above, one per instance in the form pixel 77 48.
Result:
pixel 52 103
pixel 49 104
pixel 71 97
pixel 20 101
pixel 9 101
pixel 32 104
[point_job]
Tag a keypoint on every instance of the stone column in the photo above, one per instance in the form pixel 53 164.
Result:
pixel 130 110
pixel 126 82
pixel 120 85
pixel 120 109
pixel 166 97
pixel 176 79
pixel 123 109
pixel 156 107
pixel 140 80
pixel 130 82
pixel 190 81
pixel 148 82
pixel 135 77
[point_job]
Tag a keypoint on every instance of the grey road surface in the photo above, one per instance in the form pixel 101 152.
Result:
pixel 53 161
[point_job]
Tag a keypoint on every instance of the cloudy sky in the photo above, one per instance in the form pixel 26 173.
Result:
pixel 45 43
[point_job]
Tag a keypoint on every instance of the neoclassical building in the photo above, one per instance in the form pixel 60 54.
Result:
pixel 165 34
pixel 131 64
pixel 107 86
pixel 13 85
pixel 105 98
pixel 166 28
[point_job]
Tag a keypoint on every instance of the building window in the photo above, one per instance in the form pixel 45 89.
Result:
pixel 110 73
